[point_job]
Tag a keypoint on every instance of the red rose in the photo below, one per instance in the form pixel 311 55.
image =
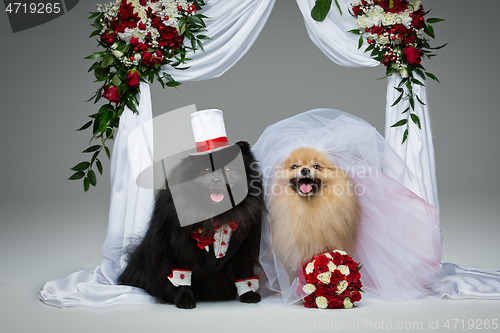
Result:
pixel 134 41
pixel 142 26
pixel 412 55
pixel 108 38
pixel 112 94
pixel 355 296
pixel 408 39
pixel 320 261
pixel 147 59
pixel 133 78
pixel 335 303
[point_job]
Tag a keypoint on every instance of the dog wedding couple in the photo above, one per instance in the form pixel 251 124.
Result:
pixel 325 180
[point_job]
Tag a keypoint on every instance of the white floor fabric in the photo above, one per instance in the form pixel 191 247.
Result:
pixel 48 238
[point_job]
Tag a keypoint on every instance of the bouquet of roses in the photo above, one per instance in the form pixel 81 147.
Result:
pixel 331 280
pixel 395 31
pixel 139 37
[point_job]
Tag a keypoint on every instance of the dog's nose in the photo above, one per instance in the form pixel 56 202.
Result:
pixel 305 171
pixel 216 181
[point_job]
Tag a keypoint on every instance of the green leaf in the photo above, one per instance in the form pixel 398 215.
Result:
pixel 406 110
pixel 398 100
pixel 415 119
pixel 87 125
pixel 173 84
pixel 401 90
pixel 439 47
pixel 92 149
pixel 77 175
pixel 200 44
pixel 202 37
pixel 96 55
pixel 419 100
pixel 116 80
pixel 99 165
pixel 400 123
pixel 81 166
pixel 405 136
pixel 94 33
pixel 92 178
pixel 360 42
pixel 429 30
pixel 101 72
pixel 86 184
pixel 338 6
pixel 434 20
pixel 432 76
pixel 321 9
pixel 92 15
pixel 355 31
pixel 94 157
pixel 198 20
pixel 412 103
pixel 106 150
pixel 417 82
pixel 107 61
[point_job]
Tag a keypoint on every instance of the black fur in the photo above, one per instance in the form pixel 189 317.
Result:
pixel 166 246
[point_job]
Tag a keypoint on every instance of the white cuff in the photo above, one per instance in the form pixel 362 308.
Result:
pixel 244 286
pixel 180 277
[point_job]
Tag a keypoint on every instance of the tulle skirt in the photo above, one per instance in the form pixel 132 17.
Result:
pixel 399 240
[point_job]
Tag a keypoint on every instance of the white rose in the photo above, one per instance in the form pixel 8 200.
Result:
pixel 356 3
pixel 310 268
pixel 416 4
pixel 331 266
pixel 309 288
pixel 383 40
pixel 321 302
pixel 117 54
pixel 341 287
pixel 363 22
pixel 347 303
pixel 137 56
pixel 343 269
pixel 388 19
pixel 328 255
pixel 325 277
pixel 403 73
pixel 341 252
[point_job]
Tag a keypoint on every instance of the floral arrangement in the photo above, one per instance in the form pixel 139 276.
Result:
pixel 139 37
pixel 395 31
pixel 331 280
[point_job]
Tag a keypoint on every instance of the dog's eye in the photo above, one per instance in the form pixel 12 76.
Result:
pixel 316 166
pixel 227 170
pixel 206 171
pixel 293 167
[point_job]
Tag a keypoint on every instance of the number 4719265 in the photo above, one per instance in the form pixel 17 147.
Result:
pixel 33 8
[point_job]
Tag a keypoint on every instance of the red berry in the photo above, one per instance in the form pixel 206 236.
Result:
pixel 411 15
pixel 179 7
pixel 136 49
pixel 182 276
pixel 393 37
pixel 131 58
pixel 367 29
pixel 166 18
pixel 369 41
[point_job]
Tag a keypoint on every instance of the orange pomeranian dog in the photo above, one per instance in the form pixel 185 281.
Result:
pixel 314 202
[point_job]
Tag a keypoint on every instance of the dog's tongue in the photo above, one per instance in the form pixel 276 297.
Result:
pixel 217 196
pixel 306 187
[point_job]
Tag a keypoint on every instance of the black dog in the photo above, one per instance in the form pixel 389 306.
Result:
pixel 170 254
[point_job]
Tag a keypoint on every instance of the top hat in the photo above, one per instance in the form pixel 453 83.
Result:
pixel 209 131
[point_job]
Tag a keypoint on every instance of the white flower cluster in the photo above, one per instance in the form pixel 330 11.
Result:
pixel 375 16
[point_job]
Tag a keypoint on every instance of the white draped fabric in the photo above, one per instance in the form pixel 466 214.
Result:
pixel 332 37
pixel 234 25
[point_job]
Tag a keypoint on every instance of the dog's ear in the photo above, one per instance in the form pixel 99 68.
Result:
pixel 244 146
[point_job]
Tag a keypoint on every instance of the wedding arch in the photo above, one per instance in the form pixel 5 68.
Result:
pixel 233 27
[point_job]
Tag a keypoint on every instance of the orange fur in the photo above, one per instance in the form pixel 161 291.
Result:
pixel 317 222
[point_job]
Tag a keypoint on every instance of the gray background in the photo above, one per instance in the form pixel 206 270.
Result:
pixel 50 228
